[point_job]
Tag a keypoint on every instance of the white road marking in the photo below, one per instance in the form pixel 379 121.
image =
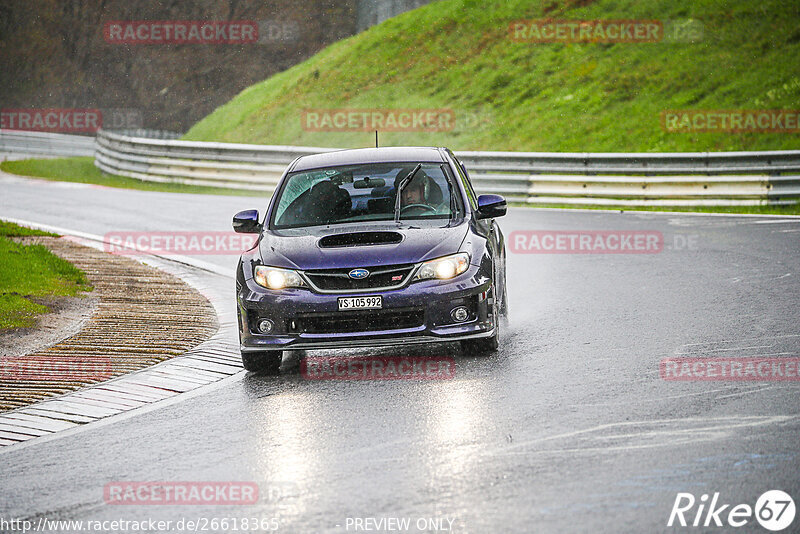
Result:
pixel 759 390
pixel 717 428
pixel 665 397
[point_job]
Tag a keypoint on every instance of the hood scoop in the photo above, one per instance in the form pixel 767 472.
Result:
pixel 360 239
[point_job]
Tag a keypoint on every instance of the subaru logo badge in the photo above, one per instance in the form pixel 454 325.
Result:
pixel 358 274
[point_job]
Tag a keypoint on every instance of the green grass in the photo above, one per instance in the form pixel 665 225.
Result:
pixel 8 229
pixel 18 312
pixel 83 170
pixel 29 273
pixel 457 54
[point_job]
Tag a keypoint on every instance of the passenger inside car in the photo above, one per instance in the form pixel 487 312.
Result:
pixel 323 203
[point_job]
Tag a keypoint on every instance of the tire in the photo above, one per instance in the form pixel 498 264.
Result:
pixel 487 345
pixel 504 305
pixel 484 346
pixel 262 362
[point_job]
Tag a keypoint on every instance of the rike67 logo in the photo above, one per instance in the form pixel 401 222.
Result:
pixel 774 510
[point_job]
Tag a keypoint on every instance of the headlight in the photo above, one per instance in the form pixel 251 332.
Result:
pixel 443 268
pixel 274 278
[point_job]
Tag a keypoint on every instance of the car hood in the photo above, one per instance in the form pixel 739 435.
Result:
pixel 300 248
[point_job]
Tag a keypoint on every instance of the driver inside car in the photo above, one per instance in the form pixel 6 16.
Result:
pixel 421 191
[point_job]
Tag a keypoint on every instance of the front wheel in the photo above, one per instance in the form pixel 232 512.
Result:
pixel 504 305
pixel 262 362
pixel 483 346
pixel 487 345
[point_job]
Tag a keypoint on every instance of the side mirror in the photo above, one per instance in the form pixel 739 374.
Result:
pixel 246 222
pixel 491 206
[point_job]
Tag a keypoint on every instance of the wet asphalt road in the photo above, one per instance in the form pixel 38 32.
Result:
pixel 569 428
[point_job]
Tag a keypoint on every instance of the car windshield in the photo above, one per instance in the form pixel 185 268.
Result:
pixel 367 192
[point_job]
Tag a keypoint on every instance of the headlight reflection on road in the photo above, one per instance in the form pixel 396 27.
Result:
pixel 457 419
pixel 284 455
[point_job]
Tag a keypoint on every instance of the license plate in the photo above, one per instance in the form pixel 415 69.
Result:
pixel 360 303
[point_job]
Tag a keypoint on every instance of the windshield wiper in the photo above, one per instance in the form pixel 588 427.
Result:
pixel 403 183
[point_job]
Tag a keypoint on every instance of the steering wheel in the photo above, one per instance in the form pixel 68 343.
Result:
pixel 423 207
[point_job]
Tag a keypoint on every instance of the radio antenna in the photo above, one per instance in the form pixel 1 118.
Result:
pixel 376 138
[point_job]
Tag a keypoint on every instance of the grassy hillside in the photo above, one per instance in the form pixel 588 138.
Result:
pixel 458 54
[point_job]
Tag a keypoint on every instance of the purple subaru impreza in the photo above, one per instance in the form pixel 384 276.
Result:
pixel 367 248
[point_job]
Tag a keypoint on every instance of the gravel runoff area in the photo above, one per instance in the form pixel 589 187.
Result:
pixel 66 317
pixel 142 316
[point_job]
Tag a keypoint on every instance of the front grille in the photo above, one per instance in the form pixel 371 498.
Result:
pixel 359 321
pixel 379 277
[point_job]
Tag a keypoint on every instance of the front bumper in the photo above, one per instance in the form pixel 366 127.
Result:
pixel 417 313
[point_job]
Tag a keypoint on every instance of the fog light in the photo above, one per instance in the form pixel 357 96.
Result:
pixel 460 314
pixel 265 326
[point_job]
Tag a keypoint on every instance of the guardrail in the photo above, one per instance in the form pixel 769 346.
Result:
pixel 150 134
pixel 665 179
pixel 236 166
pixel 44 143
pixel 703 178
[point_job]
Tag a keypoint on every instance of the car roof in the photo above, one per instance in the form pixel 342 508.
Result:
pixel 369 155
